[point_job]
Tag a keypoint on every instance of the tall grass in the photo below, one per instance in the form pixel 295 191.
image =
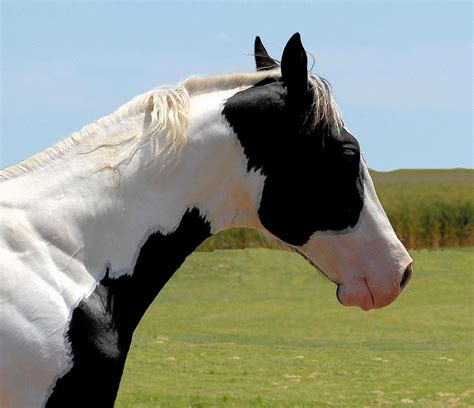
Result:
pixel 427 208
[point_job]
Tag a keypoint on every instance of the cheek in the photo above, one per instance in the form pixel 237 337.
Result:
pixel 336 255
pixel 294 206
pixel 287 208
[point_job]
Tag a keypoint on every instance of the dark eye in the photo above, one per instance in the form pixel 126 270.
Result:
pixel 351 157
pixel 351 151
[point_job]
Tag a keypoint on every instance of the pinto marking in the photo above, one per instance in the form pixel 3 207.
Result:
pixel 94 227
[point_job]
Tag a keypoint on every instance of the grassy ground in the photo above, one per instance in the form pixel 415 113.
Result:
pixel 261 328
pixel 427 208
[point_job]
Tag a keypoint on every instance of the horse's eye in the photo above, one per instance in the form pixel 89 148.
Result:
pixel 350 152
pixel 351 156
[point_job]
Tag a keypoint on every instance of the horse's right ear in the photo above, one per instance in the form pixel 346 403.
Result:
pixel 262 60
pixel 294 66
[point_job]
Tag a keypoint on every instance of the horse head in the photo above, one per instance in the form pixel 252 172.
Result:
pixel 318 196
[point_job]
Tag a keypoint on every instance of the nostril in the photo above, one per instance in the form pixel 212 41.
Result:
pixel 406 276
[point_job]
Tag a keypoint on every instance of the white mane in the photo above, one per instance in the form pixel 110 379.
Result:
pixel 166 118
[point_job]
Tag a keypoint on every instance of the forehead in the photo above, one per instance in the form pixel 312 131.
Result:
pixel 266 95
pixel 270 95
pixel 267 107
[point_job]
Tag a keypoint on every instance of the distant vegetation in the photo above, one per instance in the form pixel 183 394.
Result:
pixel 427 208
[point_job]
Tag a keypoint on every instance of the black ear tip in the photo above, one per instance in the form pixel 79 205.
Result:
pixel 294 65
pixel 294 45
pixel 263 61
pixel 295 38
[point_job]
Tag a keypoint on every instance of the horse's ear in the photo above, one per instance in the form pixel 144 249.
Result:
pixel 263 61
pixel 294 66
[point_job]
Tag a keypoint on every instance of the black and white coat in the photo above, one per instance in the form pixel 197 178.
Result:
pixel 93 228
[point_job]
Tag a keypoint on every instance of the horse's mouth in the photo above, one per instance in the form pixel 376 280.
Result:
pixel 358 292
pixel 370 293
pixel 362 298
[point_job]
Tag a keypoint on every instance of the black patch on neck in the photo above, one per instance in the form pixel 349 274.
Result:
pixel 100 331
pixel 313 176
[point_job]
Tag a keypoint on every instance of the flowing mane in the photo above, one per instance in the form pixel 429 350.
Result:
pixel 166 117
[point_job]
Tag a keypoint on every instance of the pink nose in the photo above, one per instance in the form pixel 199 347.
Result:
pixel 367 298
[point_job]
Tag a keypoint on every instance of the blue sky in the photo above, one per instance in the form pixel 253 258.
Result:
pixel 401 71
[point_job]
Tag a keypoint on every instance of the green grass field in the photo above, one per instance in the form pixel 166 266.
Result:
pixel 427 208
pixel 261 328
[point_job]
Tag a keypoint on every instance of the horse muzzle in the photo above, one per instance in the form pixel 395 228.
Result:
pixel 367 295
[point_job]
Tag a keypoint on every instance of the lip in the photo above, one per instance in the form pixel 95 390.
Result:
pixel 371 294
pixel 339 285
pixel 361 296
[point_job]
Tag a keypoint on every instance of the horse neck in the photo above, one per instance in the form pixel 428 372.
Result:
pixel 108 237
pixel 100 215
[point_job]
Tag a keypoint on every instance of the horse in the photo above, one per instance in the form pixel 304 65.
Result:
pixel 95 226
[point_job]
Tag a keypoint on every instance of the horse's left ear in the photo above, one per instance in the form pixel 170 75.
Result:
pixel 294 66
pixel 263 61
